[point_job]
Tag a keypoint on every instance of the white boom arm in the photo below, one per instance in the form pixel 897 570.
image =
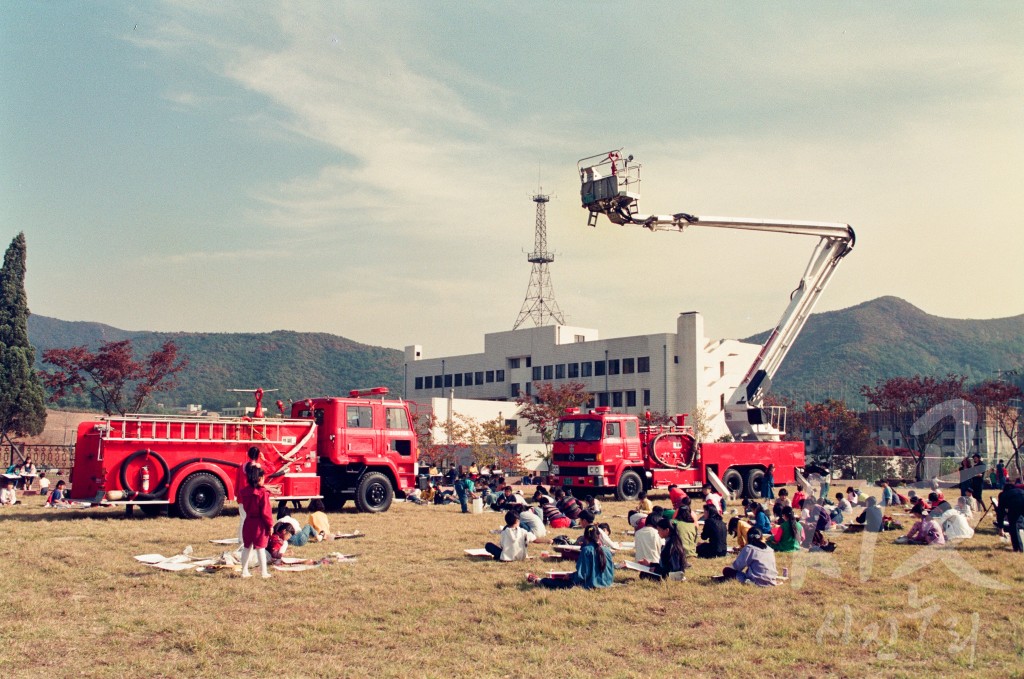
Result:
pixel 616 197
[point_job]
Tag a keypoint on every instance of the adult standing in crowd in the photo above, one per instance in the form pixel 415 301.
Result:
pixel 978 480
pixel 1010 507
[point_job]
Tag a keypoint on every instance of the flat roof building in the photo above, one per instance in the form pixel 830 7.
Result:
pixel 666 372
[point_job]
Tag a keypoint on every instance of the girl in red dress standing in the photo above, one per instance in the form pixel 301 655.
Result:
pixel 258 521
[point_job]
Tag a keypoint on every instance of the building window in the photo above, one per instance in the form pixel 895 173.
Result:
pixel 513 363
pixel 721 368
pixel 647 397
pixel 458 379
pixel 437 381
pixel 616 399
pixel 499 375
pixel 490 376
pixel 536 372
pixel 599 368
pixel 590 402
pixel 628 366
pixel 574 370
pixel 586 369
pixel 675 360
pixel 514 390
pixel 529 388
pixel 560 371
pixel 512 427
pixel 549 372
pixel 468 379
pixel 478 377
pixel 428 382
pixel 602 399
pixel 613 366
pixel 529 361
pixel 447 380
pixel 419 382
pixel 631 399
pixel 580 338
pixel 949 442
pixel 721 402
pixel 643 364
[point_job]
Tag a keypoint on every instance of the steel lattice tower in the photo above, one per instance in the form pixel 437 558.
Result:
pixel 540 304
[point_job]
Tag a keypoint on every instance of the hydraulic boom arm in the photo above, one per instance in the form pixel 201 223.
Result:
pixel 610 186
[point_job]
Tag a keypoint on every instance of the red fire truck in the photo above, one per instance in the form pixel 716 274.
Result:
pixel 605 449
pixel 601 451
pixel 359 447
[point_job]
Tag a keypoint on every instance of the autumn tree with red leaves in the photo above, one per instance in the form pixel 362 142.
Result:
pixel 112 377
pixel 1003 402
pixel 834 429
pixel 908 398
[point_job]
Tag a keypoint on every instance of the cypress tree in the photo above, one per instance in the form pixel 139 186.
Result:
pixel 22 399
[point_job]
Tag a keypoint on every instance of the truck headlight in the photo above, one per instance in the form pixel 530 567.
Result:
pixel 595 470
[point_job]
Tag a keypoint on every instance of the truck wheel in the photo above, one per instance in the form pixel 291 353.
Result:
pixel 201 496
pixel 755 477
pixel 733 480
pixel 374 493
pixel 629 487
pixel 755 481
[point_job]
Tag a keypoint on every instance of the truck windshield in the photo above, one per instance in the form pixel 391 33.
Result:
pixel 579 430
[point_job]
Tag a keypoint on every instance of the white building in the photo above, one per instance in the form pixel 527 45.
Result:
pixel 666 372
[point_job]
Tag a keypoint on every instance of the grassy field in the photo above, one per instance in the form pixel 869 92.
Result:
pixel 76 603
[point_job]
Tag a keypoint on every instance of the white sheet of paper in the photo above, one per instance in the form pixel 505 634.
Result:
pixel 634 566
pixel 173 566
pixel 151 558
pixel 225 541
pixel 556 574
pixel 477 552
pixel 567 548
pixel 627 545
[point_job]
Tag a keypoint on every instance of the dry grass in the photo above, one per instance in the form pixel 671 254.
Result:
pixel 76 603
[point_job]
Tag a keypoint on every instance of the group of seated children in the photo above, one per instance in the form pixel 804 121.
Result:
pixel 937 521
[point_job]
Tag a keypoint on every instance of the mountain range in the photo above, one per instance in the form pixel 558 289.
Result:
pixel 837 352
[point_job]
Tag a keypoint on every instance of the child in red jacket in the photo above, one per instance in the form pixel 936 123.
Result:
pixel 258 521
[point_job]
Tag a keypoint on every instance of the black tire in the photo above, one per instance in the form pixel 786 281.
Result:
pixel 755 477
pixel 152 510
pixel 629 486
pixel 733 480
pixel 374 493
pixel 201 496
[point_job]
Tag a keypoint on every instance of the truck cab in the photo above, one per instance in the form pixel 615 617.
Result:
pixel 366 447
pixel 593 450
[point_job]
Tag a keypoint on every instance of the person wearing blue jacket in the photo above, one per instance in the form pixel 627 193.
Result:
pixel 762 521
pixel 594 566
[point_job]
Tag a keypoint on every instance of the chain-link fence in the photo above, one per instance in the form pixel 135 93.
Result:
pixel 902 469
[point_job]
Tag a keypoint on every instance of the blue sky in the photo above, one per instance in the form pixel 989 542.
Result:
pixel 365 169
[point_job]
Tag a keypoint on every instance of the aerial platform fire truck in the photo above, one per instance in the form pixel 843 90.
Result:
pixel 362 447
pixel 602 450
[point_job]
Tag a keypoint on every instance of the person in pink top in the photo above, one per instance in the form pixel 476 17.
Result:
pixel 259 521
pixel 926 531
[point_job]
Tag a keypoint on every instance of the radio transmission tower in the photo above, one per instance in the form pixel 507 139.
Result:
pixel 540 304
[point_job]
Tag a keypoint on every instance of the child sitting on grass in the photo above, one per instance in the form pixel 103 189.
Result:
pixel 514 540
pixel 594 566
